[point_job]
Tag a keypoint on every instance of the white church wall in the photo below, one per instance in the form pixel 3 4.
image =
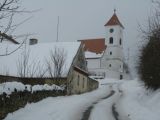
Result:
pixel 93 63
pixel 105 73
pixel 117 34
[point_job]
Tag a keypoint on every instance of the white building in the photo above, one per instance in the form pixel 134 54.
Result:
pixel 105 57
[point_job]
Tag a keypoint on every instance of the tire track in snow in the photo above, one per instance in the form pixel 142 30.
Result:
pixel 114 112
pixel 87 113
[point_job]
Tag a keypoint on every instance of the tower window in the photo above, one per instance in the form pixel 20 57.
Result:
pixel 111 30
pixel 111 40
pixel 110 53
pixel 120 41
pixel 110 65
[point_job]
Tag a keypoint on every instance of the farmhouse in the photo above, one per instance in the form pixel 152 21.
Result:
pixel 49 62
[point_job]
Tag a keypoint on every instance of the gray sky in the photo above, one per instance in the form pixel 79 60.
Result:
pixel 80 19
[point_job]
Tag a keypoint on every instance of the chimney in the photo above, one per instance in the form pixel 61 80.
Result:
pixel 33 41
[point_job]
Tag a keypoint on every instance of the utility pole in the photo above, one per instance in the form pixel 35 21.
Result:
pixel 57 30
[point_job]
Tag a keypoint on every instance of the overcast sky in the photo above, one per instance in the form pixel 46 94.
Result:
pixel 81 19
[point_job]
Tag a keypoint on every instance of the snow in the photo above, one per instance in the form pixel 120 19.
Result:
pixel 89 54
pixel 132 102
pixel 135 102
pixel 59 108
pixel 139 103
pixel 39 54
pixel 9 87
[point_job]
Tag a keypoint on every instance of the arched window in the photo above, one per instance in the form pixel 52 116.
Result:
pixel 111 40
pixel 110 65
pixel 120 41
pixel 110 53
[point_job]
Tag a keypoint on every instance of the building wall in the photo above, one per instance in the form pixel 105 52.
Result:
pixel 93 63
pixel 81 83
pixel 113 57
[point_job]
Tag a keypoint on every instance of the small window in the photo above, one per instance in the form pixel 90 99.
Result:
pixel 120 41
pixel 78 80
pixel 86 62
pixel 110 53
pixel 110 65
pixel 83 82
pixel 111 40
pixel 121 77
pixel 111 30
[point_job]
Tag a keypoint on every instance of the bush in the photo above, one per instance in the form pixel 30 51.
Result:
pixel 149 63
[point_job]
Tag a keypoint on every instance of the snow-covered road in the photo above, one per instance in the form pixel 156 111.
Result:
pixel 130 101
pixel 60 108
pixel 96 105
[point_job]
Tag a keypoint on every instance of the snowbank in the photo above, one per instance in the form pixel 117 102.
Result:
pixel 59 108
pixel 10 87
pixel 138 103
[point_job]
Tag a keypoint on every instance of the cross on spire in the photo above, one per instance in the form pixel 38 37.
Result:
pixel 114 10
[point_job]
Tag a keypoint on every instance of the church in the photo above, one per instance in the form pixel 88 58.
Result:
pixel 104 56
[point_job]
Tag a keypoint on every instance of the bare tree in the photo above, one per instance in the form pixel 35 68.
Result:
pixel 23 64
pixel 153 26
pixel 9 9
pixel 56 64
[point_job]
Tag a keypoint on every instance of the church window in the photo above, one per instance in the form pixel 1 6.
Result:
pixel 110 53
pixel 110 65
pixel 120 41
pixel 111 30
pixel 111 40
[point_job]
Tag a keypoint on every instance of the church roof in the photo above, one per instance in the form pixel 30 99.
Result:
pixel 114 21
pixel 94 45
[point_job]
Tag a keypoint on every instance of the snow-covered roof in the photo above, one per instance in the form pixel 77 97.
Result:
pixel 39 54
pixel 90 55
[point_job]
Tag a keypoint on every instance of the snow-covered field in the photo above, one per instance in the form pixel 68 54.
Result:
pixel 131 100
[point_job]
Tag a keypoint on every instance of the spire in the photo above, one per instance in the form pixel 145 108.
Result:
pixel 114 11
pixel 114 20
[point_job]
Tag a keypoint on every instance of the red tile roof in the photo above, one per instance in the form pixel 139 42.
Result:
pixel 94 45
pixel 114 21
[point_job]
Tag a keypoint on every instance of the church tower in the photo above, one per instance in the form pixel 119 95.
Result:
pixel 113 56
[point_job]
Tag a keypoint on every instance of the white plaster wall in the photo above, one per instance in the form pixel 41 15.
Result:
pixel 116 65
pixel 117 34
pixel 108 73
pixel 117 56
pixel 93 63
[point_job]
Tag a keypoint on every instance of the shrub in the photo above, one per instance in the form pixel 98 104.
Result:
pixel 149 62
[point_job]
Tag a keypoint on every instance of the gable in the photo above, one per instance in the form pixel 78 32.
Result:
pixel 114 21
